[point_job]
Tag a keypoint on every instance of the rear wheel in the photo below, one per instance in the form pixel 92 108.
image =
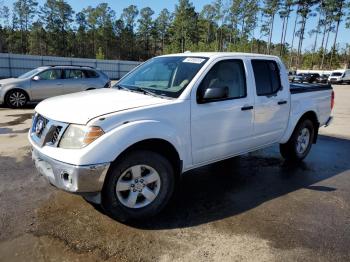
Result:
pixel 299 145
pixel 16 98
pixel 138 186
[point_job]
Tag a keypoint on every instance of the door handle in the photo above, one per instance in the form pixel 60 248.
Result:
pixel 282 102
pixel 59 84
pixel 245 108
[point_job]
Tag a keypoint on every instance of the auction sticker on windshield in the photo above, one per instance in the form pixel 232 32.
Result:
pixel 193 60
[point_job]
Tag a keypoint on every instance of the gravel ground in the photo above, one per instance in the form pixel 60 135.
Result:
pixel 251 208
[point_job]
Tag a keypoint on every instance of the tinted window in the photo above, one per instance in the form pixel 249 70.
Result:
pixel 267 77
pixel 90 74
pixel 228 73
pixel 50 74
pixel 337 74
pixel 73 74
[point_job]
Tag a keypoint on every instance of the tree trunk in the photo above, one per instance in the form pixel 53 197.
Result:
pixel 336 33
pixel 292 45
pixel 270 35
pixel 282 35
pixel 325 47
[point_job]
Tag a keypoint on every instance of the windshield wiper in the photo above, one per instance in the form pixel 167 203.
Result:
pixel 147 92
pixel 123 88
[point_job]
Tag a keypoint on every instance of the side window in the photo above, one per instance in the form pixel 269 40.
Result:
pixel 227 73
pixel 50 74
pixel 73 74
pixel 267 77
pixel 90 74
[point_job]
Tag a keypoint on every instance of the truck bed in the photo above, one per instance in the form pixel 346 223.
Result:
pixel 311 96
pixel 296 88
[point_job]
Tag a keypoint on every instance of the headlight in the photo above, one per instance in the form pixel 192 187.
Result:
pixel 79 136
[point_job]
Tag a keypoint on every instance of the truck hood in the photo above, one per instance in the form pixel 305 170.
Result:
pixel 80 108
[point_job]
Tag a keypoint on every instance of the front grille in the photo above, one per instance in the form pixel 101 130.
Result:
pixel 56 134
pixel 46 132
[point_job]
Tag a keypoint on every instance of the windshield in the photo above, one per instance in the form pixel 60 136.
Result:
pixel 30 73
pixel 337 74
pixel 165 76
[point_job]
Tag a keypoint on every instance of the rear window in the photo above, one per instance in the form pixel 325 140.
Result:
pixel 337 74
pixel 267 77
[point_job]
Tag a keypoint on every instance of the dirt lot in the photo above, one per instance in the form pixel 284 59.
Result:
pixel 253 208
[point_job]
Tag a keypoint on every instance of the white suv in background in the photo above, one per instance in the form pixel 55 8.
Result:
pixel 339 76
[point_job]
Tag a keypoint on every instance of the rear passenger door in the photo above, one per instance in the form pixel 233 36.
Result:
pixel 271 102
pixel 74 80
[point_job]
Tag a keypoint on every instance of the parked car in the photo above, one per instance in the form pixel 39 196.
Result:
pixel 125 147
pixel 322 78
pixel 299 78
pixel 339 76
pixel 306 77
pixel 48 81
pixel 291 76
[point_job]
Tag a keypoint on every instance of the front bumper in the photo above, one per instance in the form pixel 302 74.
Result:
pixel 71 178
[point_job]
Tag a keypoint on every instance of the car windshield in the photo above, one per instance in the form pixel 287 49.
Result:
pixel 337 74
pixel 164 76
pixel 30 73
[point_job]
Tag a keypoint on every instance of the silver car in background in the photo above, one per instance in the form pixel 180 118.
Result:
pixel 48 81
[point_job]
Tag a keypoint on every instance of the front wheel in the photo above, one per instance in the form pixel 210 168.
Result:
pixel 138 186
pixel 299 145
pixel 16 98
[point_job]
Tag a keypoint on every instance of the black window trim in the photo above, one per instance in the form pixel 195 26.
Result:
pixel 279 77
pixel 229 98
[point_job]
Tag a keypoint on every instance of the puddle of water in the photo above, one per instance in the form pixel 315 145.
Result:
pixel 6 131
pixel 19 119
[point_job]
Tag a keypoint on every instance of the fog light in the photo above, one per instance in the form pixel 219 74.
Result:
pixel 66 178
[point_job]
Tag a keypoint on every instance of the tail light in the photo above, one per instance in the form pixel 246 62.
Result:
pixel 332 100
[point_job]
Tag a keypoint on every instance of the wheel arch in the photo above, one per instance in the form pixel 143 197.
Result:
pixel 312 116
pixel 19 89
pixel 160 146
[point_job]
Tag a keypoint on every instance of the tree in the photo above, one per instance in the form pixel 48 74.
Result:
pixel 57 17
pixel 270 10
pixel 339 13
pixel 207 15
pixel 284 15
pixel 145 27
pixel 162 25
pixel 128 17
pixel 304 10
pixel 23 14
pixel 184 26
pixel 37 39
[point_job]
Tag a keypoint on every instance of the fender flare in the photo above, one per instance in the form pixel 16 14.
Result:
pixel 116 141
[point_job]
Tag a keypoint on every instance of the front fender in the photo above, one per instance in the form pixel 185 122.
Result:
pixel 109 146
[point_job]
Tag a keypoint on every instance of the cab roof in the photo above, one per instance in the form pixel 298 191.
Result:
pixel 220 54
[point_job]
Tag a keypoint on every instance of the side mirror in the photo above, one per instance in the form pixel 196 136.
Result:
pixel 213 94
pixel 36 78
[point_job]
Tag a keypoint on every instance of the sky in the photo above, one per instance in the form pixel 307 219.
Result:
pixel 158 5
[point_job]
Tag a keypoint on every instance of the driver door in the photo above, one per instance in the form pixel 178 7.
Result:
pixel 49 84
pixel 222 128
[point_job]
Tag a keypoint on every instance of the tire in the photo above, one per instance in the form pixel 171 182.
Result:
pixel 121 186
pixel 299 144
pixel 16 98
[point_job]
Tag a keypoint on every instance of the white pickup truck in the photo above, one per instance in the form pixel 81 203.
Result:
pixel 125 147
